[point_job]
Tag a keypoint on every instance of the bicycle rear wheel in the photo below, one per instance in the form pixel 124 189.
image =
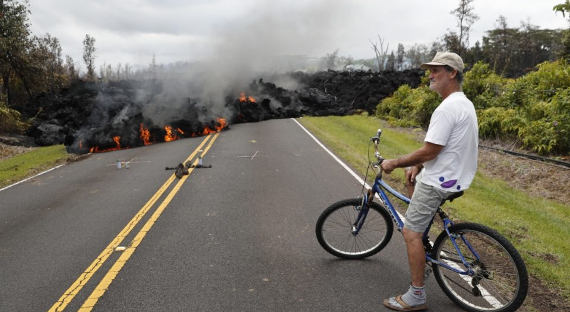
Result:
pixel 334 229
pixel 500 282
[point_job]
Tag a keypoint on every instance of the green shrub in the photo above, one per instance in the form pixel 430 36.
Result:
pixel 10 120
pixel 539 135
pixel 560 116
pixel 534 108
pixel 424 102
pixel 409 107
pixel 483 86
pixel 540 85
pixel 499 122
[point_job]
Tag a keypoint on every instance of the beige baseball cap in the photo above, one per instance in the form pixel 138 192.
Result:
pixel 446 58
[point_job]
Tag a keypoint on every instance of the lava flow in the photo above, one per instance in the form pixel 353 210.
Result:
pixel 243 98
pixel 221 124
pixel 144 135
pixel 170 134
pixel 117 140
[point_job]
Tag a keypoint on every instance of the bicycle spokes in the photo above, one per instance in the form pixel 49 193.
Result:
pixel 348 230
pixel 479 270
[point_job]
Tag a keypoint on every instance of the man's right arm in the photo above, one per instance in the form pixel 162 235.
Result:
pixel 425 153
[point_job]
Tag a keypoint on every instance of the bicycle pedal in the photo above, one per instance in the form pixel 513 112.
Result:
pixel 476 292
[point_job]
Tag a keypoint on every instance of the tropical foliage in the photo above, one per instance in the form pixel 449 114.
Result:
pixel 533 109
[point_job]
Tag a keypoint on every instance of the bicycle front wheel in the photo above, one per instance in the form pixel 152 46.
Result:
pixel 500 279
pixel 334 229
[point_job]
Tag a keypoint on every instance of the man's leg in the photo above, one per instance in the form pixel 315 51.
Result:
pixel 416 256
pixel 418 215
pixel 415 297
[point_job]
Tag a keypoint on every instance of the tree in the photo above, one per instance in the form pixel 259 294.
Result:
pixel 391 62
pixel 418 54
pixel 14 43
pixel 563 8
pixel 70 68
pixel 465 18
pixel 515 51
pixel 473 55
pixel 452 42
pixel 436 46
pixel 400 57
pixel 89 56
pixel 380 52
pixel 498 45
pixel 45 59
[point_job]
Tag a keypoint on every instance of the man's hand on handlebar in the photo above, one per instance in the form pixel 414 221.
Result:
pixel 388 165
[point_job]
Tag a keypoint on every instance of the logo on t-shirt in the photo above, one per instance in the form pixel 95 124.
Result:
pixel 448 184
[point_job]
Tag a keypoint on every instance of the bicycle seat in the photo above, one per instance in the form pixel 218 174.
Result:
pixel 454 196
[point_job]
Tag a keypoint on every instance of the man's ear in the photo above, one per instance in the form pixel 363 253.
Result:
pixel 453 74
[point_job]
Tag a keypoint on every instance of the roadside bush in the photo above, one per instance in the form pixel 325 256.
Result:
pixel 484 87
pixel 560 110
pixel 409 107
pixel 539 135
pixel 534 109
pixel 539 85
pixel 10 121
pixel 499 122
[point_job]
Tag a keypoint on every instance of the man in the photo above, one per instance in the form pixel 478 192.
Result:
pixel 447 160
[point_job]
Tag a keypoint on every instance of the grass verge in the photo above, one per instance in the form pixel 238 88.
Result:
pixel 537 227
pixel 23 165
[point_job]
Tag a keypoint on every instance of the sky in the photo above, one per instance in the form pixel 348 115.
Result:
pixel 132 31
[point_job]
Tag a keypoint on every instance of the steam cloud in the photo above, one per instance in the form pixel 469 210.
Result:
pixel 271 39
pixel 268 40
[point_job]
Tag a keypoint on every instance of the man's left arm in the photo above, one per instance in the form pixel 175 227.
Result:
pixel 425 153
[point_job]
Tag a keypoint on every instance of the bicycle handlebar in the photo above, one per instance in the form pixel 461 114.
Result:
pixel 376 141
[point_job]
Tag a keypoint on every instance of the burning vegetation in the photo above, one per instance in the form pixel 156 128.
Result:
pixel 101 117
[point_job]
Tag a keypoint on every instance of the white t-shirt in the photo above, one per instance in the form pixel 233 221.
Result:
pixel 453 124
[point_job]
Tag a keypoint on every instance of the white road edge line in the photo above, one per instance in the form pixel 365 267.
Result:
pixel 488 297
pixel 32 177
pixel 345 166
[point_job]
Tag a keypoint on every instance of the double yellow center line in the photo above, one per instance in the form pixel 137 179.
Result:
pixel 103 285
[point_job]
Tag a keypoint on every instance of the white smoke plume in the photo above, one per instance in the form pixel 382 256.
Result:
pixel 271 38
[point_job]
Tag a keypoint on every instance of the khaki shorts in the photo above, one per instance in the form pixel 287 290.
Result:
pixel 423 205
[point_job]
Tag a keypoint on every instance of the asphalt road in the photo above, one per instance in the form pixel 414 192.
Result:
pixel 235 237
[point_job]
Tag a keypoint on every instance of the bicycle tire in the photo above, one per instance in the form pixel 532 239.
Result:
pixel 502 274
pixel 336 222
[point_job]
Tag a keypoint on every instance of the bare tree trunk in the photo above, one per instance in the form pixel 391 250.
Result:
pixel 380 53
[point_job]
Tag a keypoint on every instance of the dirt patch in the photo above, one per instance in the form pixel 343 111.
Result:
pixel 7 151
pixel 12 145
pixel 539 179
pixel 544 297
pixel 535 177
pixel 548 257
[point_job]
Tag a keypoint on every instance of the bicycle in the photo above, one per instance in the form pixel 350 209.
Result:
pixel 475 266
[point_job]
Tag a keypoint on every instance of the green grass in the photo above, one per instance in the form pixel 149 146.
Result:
pixel 538 228
pixel 23 165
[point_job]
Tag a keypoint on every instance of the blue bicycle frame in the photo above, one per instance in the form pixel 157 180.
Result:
pixel 378 188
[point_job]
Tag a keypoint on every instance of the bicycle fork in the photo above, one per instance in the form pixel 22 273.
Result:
pixel 362 213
